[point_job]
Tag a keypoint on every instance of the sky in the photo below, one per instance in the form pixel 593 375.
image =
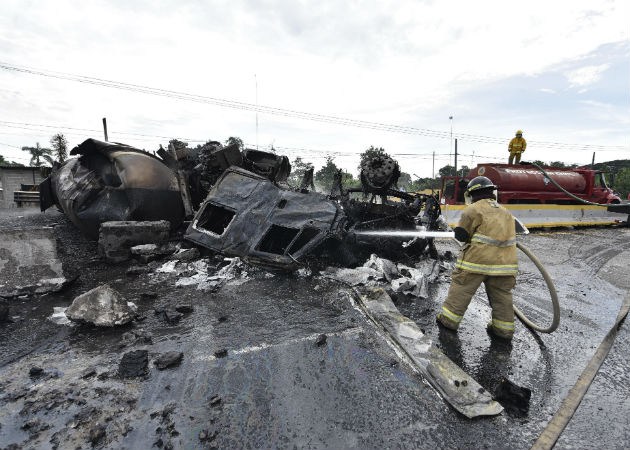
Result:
pixel 560 71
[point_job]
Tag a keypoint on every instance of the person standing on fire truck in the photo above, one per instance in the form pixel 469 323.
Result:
pixel 516 147
pixel 488 256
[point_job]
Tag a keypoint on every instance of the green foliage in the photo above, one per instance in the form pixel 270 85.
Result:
pixel 235 140
pixel 59 145
pixel 622 182
pixel 39 155
pixel 617 174
pixel 325 176
pixel 298 169
pixel 447 171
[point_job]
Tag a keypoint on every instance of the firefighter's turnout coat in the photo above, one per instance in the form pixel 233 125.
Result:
pixel 517 146
pixel 488 257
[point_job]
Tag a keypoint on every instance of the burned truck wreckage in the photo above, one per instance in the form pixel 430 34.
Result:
pixel 240 203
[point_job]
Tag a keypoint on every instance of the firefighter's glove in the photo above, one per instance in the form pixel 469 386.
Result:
pixel 461 235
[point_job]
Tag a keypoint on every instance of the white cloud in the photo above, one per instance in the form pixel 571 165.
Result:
pixel 586 76
pixel 402 62
pixel 547 90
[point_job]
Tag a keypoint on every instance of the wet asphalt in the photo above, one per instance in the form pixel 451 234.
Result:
pixel 279 386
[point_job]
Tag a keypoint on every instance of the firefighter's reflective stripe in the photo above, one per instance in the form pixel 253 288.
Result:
pixel 451 315
pixel 490 269
pixel 478 237
pixel 508 326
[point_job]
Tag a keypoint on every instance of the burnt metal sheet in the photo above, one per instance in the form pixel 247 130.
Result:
pixel 112 182
pixel 246 215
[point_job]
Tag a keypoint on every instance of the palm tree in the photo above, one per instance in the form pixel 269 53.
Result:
pixel 38 154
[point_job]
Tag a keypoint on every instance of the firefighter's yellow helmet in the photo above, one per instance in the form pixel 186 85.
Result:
pixel 519 132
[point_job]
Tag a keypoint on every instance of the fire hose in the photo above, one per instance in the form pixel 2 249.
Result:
pixel 560 187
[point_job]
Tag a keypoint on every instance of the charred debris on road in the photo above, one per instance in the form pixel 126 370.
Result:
pixel 239 203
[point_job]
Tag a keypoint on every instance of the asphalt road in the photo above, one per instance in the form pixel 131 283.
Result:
pixel 277 388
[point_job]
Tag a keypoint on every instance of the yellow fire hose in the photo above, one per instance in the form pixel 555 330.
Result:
pixel 552 290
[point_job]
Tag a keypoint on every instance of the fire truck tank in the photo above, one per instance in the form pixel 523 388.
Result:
pixel 528 178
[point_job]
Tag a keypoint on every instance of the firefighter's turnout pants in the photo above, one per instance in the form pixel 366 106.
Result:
pixel 464 284
pixel 514 156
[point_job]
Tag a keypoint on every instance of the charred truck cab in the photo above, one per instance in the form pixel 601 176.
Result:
pixel 247 215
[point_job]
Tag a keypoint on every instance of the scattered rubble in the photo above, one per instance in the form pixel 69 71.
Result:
pixel 102 307
pixel 139 336
pixel 4 310
pixel 115 239
pixel 397 278
pixel 146 253
pixel 169 359
pixel 515 399
pixel 59 316
pixel 134 364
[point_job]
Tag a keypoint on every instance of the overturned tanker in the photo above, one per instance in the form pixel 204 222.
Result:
pixel 112 182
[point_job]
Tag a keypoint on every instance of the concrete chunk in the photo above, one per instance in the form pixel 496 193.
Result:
pixel 116 238
pixel 102 307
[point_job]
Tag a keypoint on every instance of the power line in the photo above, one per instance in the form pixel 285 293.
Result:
pixel 291 113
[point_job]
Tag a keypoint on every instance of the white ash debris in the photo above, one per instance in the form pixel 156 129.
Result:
pixel 384 266
pixel 234 273
pixel 413 281
pixel 59 316
pixel 167 267
pixel 360 276
pixel 304 272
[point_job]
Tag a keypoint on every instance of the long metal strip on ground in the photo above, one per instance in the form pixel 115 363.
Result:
pixel 561 418
pixel 458 388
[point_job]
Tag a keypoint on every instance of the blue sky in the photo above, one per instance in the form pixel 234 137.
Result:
pixel 558 70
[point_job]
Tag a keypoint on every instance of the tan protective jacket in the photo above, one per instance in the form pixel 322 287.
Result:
pixel 517 145
pixel 491 248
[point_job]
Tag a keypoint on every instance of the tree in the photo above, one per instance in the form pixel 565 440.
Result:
pixel 298 169
pixel 447 171
pixel 325 176
pixel 370 153
pixel 404 181
pixel 622 182
pixel 557 164
pixel 38 154
pixel 6 162
pixel 235 140
pixel 59 145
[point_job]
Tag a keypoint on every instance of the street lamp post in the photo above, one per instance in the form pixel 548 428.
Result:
pixel 450 153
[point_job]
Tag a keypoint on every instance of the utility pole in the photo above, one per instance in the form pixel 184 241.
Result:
pixel 105 129
pixel 455 156
pixel 433 173
pixel 451 147
pixel 256 81
pixel 593 161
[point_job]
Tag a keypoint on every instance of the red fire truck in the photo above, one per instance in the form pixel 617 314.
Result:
pixel 533 198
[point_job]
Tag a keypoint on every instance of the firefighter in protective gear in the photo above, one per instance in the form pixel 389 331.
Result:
pixel 516 147
pixel 488 257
